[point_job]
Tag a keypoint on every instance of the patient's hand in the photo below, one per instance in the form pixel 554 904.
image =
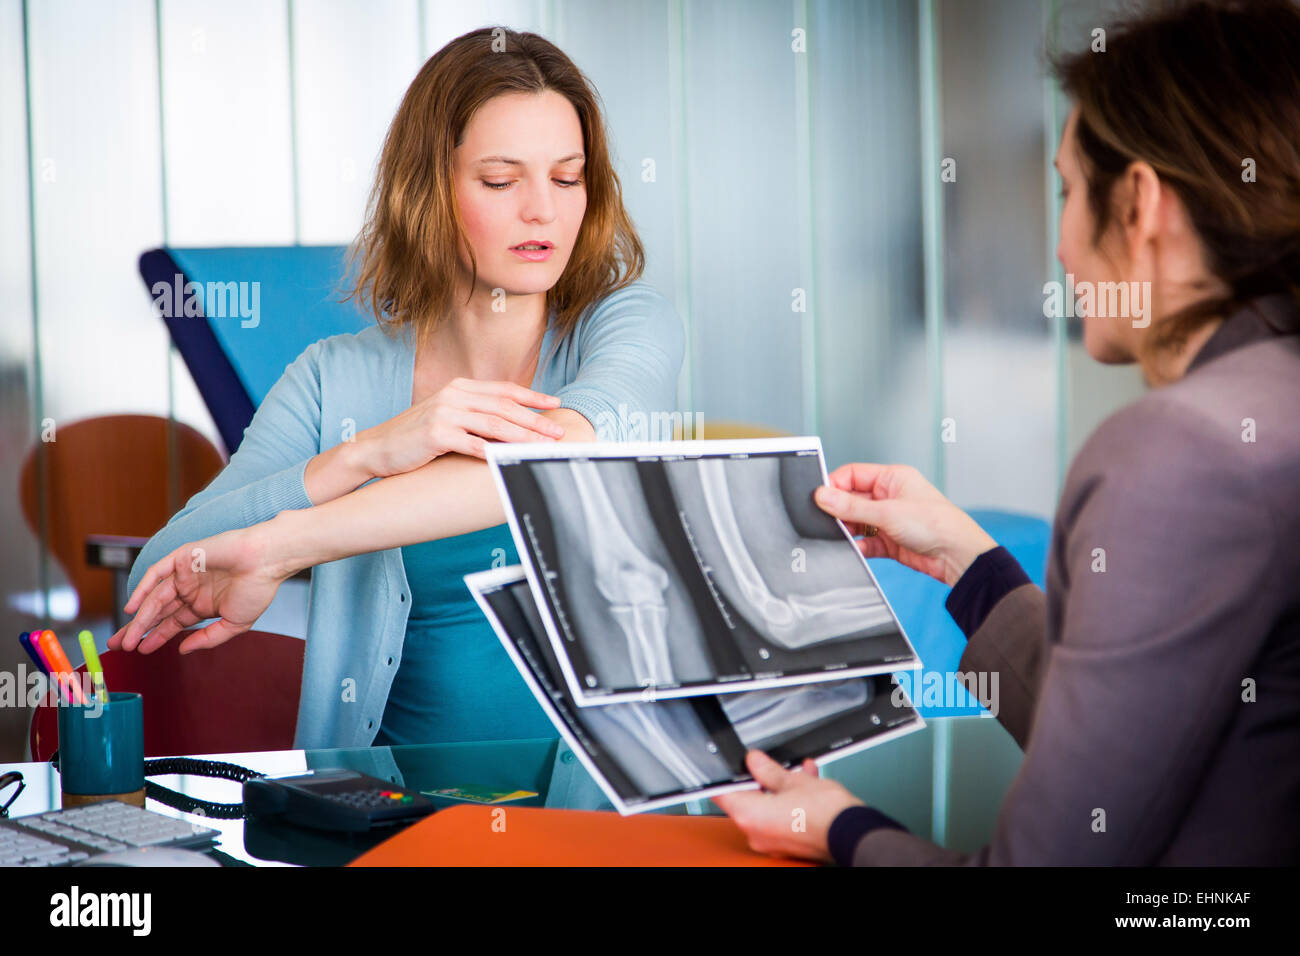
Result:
pixel 228 576
pixel 459 418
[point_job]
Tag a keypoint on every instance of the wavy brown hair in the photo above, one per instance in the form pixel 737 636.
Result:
pixel 1195 89
pixel 404 263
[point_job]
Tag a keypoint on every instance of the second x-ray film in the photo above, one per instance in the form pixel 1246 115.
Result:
pixel 693 568
pixel 653 753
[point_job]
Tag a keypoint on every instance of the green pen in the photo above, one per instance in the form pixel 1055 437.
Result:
pixel 96 669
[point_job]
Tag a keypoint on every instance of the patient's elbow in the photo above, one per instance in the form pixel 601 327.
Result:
pixel 575 424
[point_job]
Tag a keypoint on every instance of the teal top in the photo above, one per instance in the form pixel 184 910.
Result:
pixel 455 681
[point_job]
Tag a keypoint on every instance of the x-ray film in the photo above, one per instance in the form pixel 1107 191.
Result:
pixel 653 753
pixel 693 568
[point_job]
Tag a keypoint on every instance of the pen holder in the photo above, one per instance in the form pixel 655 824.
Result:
pixel 101 751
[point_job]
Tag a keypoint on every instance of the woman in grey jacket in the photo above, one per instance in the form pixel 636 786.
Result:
pixel 1155 687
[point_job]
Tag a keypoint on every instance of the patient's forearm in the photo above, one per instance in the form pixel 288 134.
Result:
pixel 336 472
pixel 451 495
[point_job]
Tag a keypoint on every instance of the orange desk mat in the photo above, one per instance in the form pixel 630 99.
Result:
pixel 471 835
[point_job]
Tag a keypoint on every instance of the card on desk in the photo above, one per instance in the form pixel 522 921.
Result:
pixel 475 794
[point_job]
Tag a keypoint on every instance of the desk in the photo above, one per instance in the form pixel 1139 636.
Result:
pixel 899 777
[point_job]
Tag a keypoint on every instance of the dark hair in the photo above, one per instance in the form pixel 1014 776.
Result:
pixel 1195 90
pixel 407 249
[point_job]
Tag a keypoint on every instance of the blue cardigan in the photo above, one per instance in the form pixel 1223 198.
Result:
pixel 617 368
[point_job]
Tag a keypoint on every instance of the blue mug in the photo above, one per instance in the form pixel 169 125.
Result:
pixel 101 749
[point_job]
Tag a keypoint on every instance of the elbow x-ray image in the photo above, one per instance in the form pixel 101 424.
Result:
pixel 620 587
pixel 779 560
pixel 693 568
pixel 764 718
pixel 653 753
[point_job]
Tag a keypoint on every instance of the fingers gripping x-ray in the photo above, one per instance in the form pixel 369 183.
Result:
pixel 633 584
pixel 795 621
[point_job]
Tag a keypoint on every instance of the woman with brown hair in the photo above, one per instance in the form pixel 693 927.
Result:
pixel 503 273
pixel 1155 686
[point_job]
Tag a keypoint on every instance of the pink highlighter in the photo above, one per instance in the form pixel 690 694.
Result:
pixel 60 666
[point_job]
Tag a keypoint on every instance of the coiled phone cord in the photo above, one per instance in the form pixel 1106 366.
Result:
pixel 201 768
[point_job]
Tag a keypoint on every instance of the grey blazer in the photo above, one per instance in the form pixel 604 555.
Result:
pixel 1155 688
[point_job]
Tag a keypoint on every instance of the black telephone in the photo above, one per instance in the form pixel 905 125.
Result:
pixel 342 800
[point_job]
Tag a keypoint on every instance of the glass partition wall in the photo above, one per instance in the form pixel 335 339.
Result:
pixel 851 205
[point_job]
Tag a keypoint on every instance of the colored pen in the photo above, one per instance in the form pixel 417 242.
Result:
pixel 33 651
pixel 96 669
pixel 32 641
pixel 60 666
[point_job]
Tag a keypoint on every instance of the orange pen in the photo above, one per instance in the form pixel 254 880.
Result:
pixel 60 666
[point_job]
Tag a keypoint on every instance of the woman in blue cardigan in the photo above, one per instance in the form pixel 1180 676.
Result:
pixel 504 275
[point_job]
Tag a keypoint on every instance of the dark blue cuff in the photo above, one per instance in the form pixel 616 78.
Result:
pixel 850 826
pixel 990 578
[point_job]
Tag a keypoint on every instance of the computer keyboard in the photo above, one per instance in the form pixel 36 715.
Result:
pixel 64 837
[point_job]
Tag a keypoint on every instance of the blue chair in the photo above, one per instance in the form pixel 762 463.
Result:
pixel 238 316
